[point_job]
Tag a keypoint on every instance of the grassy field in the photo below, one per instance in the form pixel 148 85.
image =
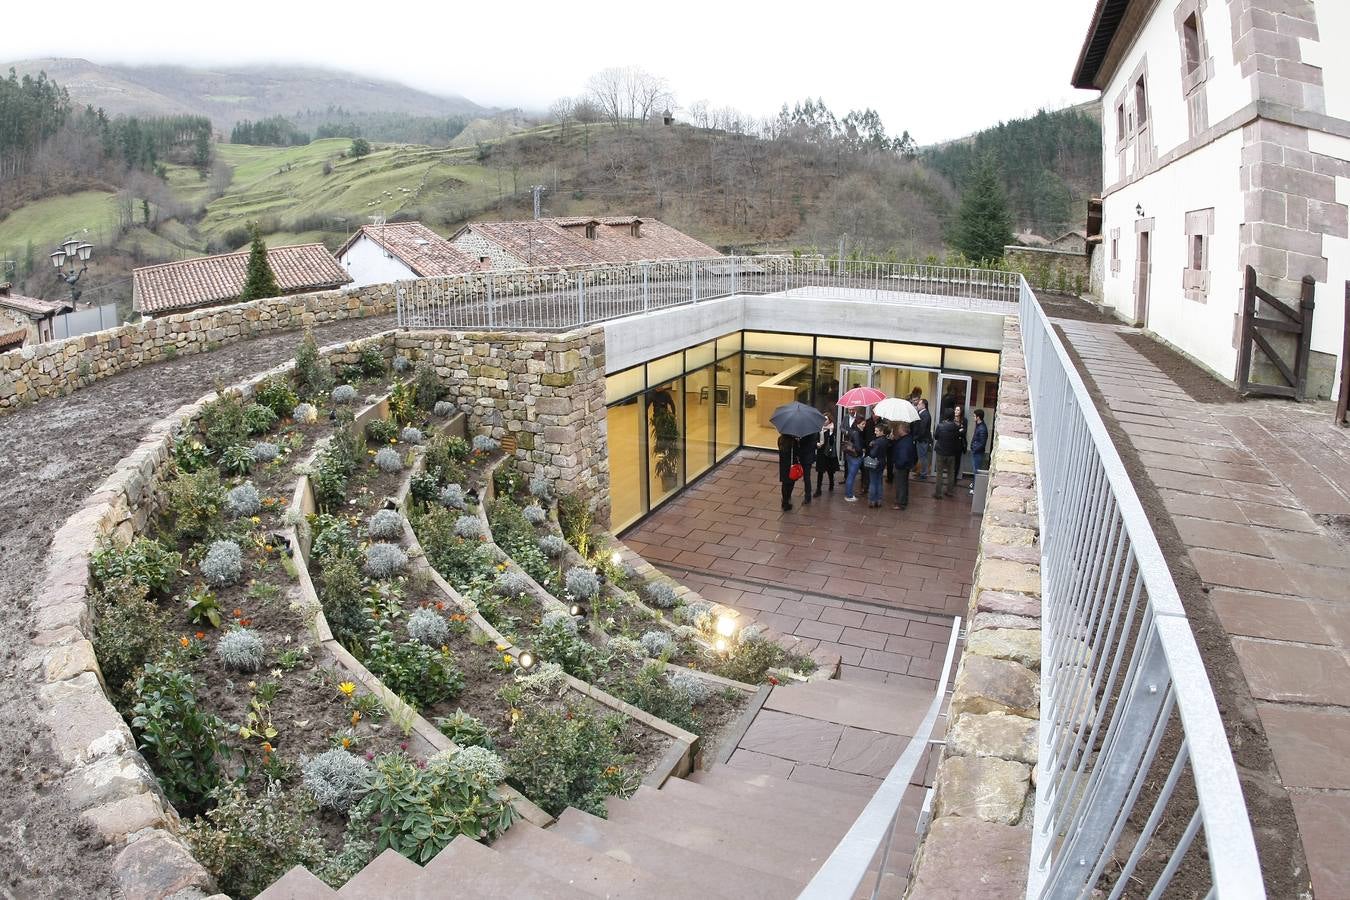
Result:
pixel 88 215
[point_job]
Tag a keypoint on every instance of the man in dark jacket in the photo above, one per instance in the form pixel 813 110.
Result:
pixel 853 454
pixel 806 455
pixel 923 437
pixel 947 442
pixel 979 446
pixel 787 455
pixel 869 434
pixel 903 458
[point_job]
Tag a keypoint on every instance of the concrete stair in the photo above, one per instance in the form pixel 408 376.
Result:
pixel 726 833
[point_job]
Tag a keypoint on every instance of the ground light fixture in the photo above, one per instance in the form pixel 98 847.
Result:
pixel 525 660
pixel 576 610
pixel 615 558
pixel 726 626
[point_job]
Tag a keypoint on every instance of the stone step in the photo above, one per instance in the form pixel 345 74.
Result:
pixel 672 863
pixel 389 874
pixel 584 868
pixel 891 709
pixel 298 884
pixel 480 872
pixel 762 805
pixel 797 794
pixel 782 848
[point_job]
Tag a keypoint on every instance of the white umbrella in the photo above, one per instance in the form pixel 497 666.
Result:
pixel 894 409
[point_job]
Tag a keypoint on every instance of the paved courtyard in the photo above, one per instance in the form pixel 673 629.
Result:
pixel 877 586
pixel 1252 489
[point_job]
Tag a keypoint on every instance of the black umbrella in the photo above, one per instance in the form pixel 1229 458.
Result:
pixel 797 419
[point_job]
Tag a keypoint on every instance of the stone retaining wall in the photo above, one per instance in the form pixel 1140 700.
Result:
pixel 1055 270
pixel 979 840
pixel 61 367
pixel 545 391
pixel 106 778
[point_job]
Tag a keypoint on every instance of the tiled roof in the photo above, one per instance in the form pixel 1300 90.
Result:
pixel 12 340
pixel 416 246
pixel 563 242
pixel 31 306
pixel 220 279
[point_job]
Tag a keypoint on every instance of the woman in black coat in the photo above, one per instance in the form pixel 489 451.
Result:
pixel 787 455
pixel 827 457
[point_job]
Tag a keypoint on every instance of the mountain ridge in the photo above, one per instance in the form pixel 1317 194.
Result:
pixel 229 94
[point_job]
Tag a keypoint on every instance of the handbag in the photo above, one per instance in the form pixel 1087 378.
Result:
pixel 796 472
pixel 870 462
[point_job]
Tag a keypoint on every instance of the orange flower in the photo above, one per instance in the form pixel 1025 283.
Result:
pixel 245 622
pixel 346 742
pixel 201 635
pixel 238 612
pixel 184 641
pixel 356 717
pixel 266 747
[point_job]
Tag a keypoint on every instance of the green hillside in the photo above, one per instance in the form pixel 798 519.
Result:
pixel 88 215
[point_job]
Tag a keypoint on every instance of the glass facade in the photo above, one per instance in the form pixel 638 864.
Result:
pixel 673 418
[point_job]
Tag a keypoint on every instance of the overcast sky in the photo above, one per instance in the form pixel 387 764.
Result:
pixel 939 69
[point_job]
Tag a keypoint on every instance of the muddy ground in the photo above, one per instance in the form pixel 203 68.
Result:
pixel 52 454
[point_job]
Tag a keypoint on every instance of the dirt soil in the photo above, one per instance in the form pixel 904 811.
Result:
pixel 52 454
pixel 1198 384
pixel 1268 805
pixel 1069 306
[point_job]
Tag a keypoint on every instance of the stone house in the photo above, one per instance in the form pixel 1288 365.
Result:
pixel 575 241
pixel 26 320
pixel 388 252
pixel 215 280
pixel 1069 242
pixel 1226 143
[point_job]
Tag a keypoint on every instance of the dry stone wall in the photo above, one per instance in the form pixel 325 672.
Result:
pixel 545 391
pixel 979 841
pixel 55 368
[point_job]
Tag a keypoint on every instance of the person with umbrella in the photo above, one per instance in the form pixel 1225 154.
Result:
pixel 827 456
pixel 797 426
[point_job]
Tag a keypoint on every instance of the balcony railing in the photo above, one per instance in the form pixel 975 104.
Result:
pixel 560 299
pixel 1134 760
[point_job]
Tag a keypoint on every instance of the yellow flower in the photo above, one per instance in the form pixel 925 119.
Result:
pixel 346 742
pixel 501 647
pixel 356 716
pixel 346 688
pixel 506 658
pixel 255 520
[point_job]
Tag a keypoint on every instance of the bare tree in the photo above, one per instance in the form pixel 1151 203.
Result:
pixel 650 94
pixel 628 94
pixel 562 111
pixel 608 92
pixel 587 114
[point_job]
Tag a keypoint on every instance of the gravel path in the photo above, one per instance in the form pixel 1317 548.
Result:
pixel 52 455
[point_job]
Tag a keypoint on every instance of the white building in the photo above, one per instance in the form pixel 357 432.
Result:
pixel 380 254
pixel 1226 141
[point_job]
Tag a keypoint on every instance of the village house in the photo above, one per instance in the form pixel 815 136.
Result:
pixel 575 241
pixel 382 253
pixel 1226 144
pixel 27 320
pixel 213 280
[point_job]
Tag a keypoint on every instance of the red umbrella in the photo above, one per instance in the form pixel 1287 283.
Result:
pixel 862 396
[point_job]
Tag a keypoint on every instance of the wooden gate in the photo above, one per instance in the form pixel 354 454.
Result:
pixel 1295 322
pixel 1343 403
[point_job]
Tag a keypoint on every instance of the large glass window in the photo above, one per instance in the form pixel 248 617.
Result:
pixel 627 455
pixel 700 404
pixel 665 432
pixel 729 399
pixel 771 381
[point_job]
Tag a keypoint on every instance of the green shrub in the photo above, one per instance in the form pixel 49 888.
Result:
pixel 372 362
pixel 332 537
pixel 418 811
pixel 465 730
pixel 181 740
pixel 144 561
pixel 128 630
pixel 650 690
pixel 506 477
pixel 342 592
pixel 426 386
pixel 751 661
pixel 457 559
pixel 190 454
pixel 312 374
pixel 278 396
pixel 236 460
pixel 403 403
pixel 381 431
pixel 246 843
pixel 577 520
pixel 259 419
pixel 223 423
pixel 568 757
pixel 421 675
pixel 195 503
pixel 556 640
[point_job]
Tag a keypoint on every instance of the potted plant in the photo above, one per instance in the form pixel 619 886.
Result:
pixel 666 441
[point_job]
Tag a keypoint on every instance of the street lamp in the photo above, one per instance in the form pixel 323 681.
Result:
pixel 71 251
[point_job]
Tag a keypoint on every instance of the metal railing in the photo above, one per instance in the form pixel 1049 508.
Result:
pixel 868 841
pixel 560 299
pixel 1134 759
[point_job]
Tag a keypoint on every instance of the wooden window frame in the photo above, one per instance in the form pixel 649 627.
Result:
pixel 1195 281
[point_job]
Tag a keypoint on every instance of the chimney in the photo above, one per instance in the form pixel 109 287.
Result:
pixel 635 229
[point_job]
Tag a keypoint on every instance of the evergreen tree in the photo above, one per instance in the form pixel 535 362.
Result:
pixel 360 147
pixel 983 226
pixel 259 282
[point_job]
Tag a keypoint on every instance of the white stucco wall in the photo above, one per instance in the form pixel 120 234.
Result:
pixel 368 263
pixel 1226 90
pixel 1330 52
pixel 1329 317
pixel 1203 179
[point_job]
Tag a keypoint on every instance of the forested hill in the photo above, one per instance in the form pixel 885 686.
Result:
pixel 1051 163
pixel 229 95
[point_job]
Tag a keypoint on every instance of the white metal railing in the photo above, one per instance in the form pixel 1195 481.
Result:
pixel 564 298
pixel 1134 759
pixel 843 872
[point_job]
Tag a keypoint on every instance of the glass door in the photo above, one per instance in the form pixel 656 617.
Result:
pixel 850 377
pixel 954 391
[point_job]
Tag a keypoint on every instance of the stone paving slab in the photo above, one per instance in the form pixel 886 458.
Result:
pixel 1243 483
